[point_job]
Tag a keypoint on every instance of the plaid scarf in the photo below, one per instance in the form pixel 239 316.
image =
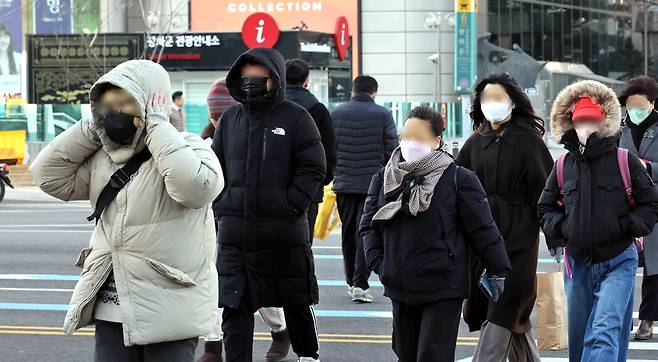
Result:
pixel 418 180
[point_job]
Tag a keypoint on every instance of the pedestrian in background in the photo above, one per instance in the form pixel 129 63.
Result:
pixel 422 218
pixel 275 163
pixel 177 114
pixel 589 213
pixel 148 282
pixel 218 101
pixel 365 139
pixel 510 158
pixel 297 82
pixel 638 135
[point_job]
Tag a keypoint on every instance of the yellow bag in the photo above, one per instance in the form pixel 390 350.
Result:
pixel 328 217
pixel 12 146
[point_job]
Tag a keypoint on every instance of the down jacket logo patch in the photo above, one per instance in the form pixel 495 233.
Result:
pixel 279 131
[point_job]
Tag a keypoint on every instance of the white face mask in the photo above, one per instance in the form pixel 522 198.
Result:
pixel 413 150
pixel 496 112
pixel 585 130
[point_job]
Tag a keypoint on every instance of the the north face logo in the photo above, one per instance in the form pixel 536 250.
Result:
pixel 279 131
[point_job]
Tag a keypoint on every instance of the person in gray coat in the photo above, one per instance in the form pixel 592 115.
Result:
pixel 639 136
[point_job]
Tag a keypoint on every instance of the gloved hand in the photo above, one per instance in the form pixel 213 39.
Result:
pixel 157 110
pixel 497 287
pixel 557 253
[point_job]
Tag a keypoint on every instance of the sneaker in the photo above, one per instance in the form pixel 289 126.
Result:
pixel 350 290
pixel 361 296
pixel 307 359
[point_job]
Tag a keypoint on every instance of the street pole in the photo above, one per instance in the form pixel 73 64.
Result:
pixel 438 62
pixel 646 39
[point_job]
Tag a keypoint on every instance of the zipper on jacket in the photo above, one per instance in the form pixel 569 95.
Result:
pixel 265 132
pixel 89 297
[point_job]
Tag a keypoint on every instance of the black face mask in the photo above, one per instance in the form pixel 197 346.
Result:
pixel 120 127
pixel 254 87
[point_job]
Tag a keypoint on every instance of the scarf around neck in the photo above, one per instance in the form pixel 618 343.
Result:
pixel 419 178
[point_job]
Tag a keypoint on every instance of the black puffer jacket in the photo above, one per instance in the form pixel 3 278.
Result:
pixel 273 164
pixel 322 118
pixel 365 138
pixel 597 223
pixel 423 258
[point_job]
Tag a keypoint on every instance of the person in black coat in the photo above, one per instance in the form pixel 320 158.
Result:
pixel 423 217
pixel 509 156
pixel 365 138
pixel 297 72
pixel 591 215
pixel 273 163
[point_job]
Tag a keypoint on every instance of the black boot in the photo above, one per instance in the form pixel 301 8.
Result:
pixel 280 346
pixel 644 331
pixel 212 352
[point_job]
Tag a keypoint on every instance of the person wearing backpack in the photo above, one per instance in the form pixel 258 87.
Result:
pixel 423 217
pixel 638 136
pixel 587 211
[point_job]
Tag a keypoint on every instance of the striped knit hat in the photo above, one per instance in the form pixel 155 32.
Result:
pixel 219 99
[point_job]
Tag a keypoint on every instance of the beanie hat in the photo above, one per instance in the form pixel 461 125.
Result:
pixel 219 99
pixel 585 108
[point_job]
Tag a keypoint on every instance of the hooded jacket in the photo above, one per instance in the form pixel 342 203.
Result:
pixel 596 223
pixel 274 164
pixel 157 235
pixel 322 118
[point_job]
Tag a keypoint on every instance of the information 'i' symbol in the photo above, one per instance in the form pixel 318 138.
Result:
pixel 259 28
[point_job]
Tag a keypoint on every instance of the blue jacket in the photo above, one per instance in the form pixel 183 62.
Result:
pixel 365 139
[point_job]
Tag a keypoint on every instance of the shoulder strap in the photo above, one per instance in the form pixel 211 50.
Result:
pixel 624 170
pixel 559 171
pixel 118 180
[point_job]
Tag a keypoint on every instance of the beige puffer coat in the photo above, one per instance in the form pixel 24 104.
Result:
pixel 158 234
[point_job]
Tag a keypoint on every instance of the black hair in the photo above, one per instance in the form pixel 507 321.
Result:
pixel 176 95
pixel 522 112
pixel 297 71
pixel 642 85
pixel 10 50
pixel 365 84
pixel 432 117
pixel 101 89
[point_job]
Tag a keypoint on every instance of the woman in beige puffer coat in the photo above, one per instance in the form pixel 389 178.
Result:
pixel 149 274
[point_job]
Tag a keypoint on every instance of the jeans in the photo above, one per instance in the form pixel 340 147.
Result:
pixel 600 308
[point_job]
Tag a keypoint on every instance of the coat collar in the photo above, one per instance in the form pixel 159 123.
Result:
pixel 508 133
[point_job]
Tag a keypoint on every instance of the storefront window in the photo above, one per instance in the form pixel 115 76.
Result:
pixel 596 33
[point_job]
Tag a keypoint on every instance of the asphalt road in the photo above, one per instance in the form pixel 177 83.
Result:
pixel 40 239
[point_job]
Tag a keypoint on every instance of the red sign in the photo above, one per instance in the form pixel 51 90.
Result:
pixel 342 37
pixel 260 30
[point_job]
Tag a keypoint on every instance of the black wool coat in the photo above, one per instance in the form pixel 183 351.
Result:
pixel 513 167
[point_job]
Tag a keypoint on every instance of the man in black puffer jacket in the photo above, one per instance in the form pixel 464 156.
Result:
pixel 365 138
pixel 273 163
pixel 297 72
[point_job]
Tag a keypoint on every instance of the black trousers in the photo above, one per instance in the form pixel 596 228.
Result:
pixel 350 209
pixel 238 328
pixel 649 305
pixel 312 216
pixel 109 347
pixel 426 332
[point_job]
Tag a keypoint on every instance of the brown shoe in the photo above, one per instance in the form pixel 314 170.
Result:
pixel 280 346
pixel 212 352
pixel 645 331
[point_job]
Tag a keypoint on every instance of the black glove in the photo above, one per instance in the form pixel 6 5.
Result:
pixel 497 286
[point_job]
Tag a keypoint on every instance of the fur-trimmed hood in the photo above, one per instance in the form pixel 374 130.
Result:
pixel 566 99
